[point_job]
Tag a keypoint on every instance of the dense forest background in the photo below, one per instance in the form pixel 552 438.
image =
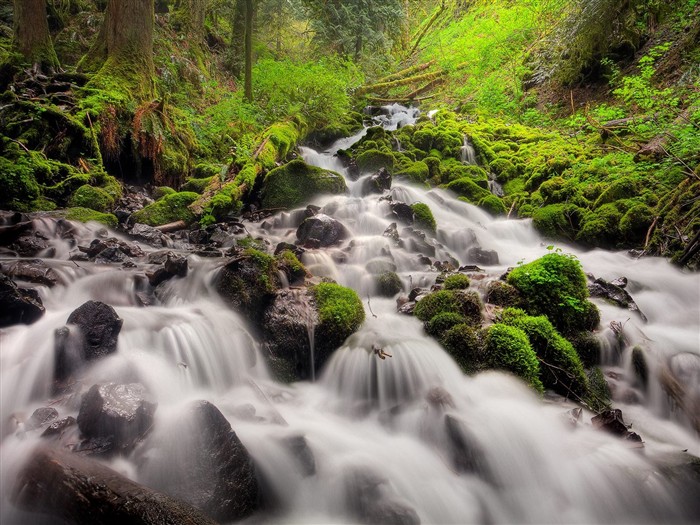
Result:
pixel 586 112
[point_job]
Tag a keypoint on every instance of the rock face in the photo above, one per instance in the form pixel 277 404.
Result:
pixel 220 476
pixel 611 421
pixel 377 183
pixel 84 492
pixel 286 326
pixel 616 294
pixel 18 305
pixel 117 414
pixel 320 230
pixel 33 271
pixel 478 255
pixel 147 234
pixel 98 329
pixel 371 500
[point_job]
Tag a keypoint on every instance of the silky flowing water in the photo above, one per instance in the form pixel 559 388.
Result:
pixel 371 418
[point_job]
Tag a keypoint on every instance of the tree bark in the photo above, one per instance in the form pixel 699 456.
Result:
pixel 249 50
pixel 237 51
pixel 32 36
pixel 124 47
pixel 192 13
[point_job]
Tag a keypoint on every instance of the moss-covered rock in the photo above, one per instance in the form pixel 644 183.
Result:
pixel 415 172
pixel 297 183
pixel 456 281
pixel 88 215
pixel 171 208
pixel 423 217
pixel 374 159
pixel 557 221
pixel 503 294
pixel 635 223
pixel 561 368
pixel 292 267
pixel 466 303
pixel 600 227
pixel 388 284
pixel 467 188
pixel 587 346
pixel 197 185
pixel 340 313
pixel 599 397
pixel 442 322
pixel 508 348
pixel 19 185
pixel 504 169
pixel 90 197
pixel 493 204
pixel 462 341
pixel 555 285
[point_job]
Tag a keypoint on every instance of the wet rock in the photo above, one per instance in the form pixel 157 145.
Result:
pixel 377 183
pixel 299 448
pixel 414 241
pixel 439 398
pixel 680 379
pixel 41 417
pixel 620 282
pixel 120 414
pixel 13 226
pixel 403 212
pixel 111 255
pixel 176 265
pixel 220 476
pixel 392 233
pixel 158 276
pixel 478 255
pixel 320 231
pixel 18 305
pixel 147 234
pixel 640 367
pixel 371 500
pixel 199 236
pixel 615 294
pixel 467 455
pixel 82 491
pixel 380 266
pixel 296 250
pixel 611 421
pixel 288 326
pixel 98 327
pixel 99 246
pixel 34 271
pixel 33 244
pixel 57 428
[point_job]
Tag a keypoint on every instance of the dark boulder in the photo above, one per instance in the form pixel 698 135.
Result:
pixel 377 183
pixel 147 234
pixel 298 446
pixel 466 453
pixel 371 500
pixel 478 255
pixel 57 428
pixel 392 233
pixel 403 212
pixel 321 230
pixel 34 271
pixel 611 421
pixel 615 294
pixel 82 491
pixel 41 417
pixel 120 414
pixel 176 265
pixel 98 327
pixel 288 326
pixel 18 305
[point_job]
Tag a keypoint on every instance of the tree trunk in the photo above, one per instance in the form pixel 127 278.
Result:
pixel 32 36
pixel 249 50
pixel 191 14
pixel 237 52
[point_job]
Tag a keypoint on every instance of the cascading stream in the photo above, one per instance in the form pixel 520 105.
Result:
pixel 408 432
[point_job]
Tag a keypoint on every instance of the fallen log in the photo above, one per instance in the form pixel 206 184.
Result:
pixel 385 86
pixel 172 227
pixel 83 491
pixel 657 147
pixel 409 71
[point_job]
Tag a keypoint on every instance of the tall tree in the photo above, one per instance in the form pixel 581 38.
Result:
pixel 190 15
pixel 249 12
pixel 124 47
pixel 32 36
pixel 236 54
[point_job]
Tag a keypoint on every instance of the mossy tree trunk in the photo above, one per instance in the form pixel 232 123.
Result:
pixel 123 51
pixel 32 36
pixel 249 11
pixel 236 53
pixel 192 14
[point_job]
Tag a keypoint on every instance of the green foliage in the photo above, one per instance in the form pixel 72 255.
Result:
pixel 467 304
pixel 555 285
pixel 296 183
pixel 19 186
pixel 340 313
pixel 508 348
pixel 456 281
pixel 88 215
pixel 388 284
pixel 171 208
pixel 90 197
pixel 561 368
pixel 423 217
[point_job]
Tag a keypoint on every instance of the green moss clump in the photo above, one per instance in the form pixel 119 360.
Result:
pixel 555 285
pixel 599 397
pixel 296 183
pixel 374 159
pixel 600 227
pixel 622 188
pixel 415 172
pixel 197 185
pixel 635 224
pixel 442 322
pixel 467 188
pixel 508 348
pixel 558 220
pixel 19 186
pixel 340 314
pixel 90 197
pixel 291 266
pixel 493 204
pixel 456 281
pixel 388 284
pixel 170 208
pixel 587 346
pixel 504 169
pixel 561 368
pixel 463 342
pixel 88 215
pixel 502 294
pixel 467 304
pixel 423 217
pixel 162 191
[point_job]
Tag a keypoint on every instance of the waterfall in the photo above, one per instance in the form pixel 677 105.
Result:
pixel 390 409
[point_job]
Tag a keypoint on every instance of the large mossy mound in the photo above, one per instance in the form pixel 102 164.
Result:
pixel 462 341
pixel 340 313
pixel 296 183
pixel 465 303
pixel 508 348
pixel 170 208
pixel 555 285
